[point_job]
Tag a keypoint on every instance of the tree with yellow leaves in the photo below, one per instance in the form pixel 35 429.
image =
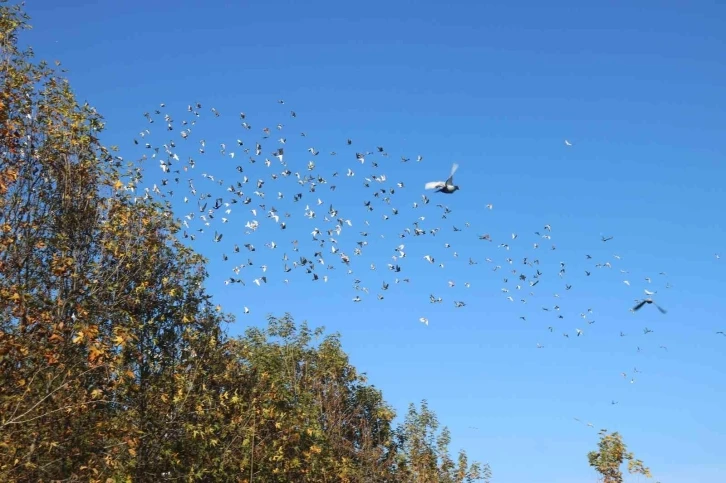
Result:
pixel 114 363
pixel 612 453
pixel 100 307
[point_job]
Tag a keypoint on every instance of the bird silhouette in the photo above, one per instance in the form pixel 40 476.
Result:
pixel 648 301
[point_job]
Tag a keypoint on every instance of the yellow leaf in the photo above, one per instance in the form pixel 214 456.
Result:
pixel 55 338
pixel 95 353
pixel 78 338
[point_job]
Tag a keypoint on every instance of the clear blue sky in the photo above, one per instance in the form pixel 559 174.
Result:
pixel 636 87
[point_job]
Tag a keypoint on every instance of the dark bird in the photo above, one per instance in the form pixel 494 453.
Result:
pixel 447 186
pixel 648 301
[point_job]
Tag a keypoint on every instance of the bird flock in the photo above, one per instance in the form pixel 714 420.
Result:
pixel 256 194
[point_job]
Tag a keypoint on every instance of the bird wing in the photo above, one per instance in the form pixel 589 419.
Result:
pixel 454 167
pixel 662 310
pixel 435 184
pixel 639 306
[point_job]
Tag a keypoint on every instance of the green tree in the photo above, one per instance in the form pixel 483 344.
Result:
pixel 612 453
pixel 424 455
pixel 304 413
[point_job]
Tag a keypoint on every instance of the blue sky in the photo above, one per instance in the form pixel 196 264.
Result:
pixel 496 87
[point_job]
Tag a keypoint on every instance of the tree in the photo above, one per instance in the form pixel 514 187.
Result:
pixel 424 455
pixel 300 411
pixel 100 307
pixel 610 457
pixel 114 362
pixel 48 197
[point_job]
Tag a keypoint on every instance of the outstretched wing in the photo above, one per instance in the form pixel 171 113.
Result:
pixel 451 176
pixel 640 305
pixel 435 185
pixel 662 310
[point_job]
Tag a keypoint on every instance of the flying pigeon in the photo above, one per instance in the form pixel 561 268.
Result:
pixel 648 301
pixel 447 186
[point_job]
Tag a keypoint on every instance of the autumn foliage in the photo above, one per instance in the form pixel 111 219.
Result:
pixel 612 453
pixel 114 362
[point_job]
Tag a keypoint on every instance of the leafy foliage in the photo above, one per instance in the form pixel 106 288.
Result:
pixel 425 455
pixel 114 362
pixel 610 457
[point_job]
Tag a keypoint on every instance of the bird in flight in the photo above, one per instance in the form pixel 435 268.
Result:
pixel 447 186
pixel 648 301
